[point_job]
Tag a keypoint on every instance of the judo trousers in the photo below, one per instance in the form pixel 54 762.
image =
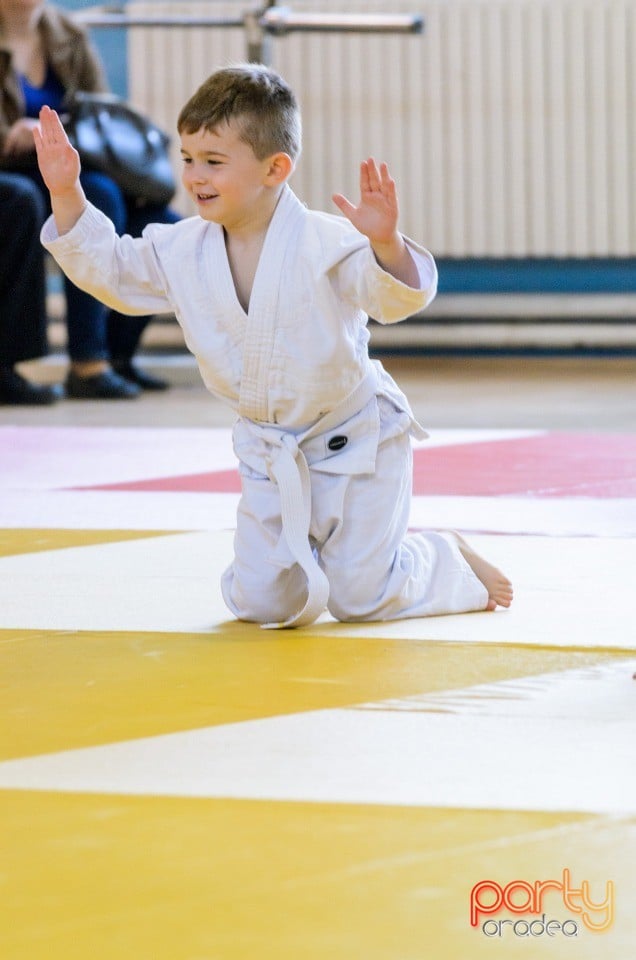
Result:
pixel 358 535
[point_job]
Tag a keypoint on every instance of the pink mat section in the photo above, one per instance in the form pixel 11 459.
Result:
pixel 550 465
pixel 547 465
pixel 218 481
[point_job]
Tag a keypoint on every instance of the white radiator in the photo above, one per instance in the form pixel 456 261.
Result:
pixel 509 125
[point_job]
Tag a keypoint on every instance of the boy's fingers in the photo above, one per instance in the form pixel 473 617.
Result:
pixel 364 177
pixel 45 129
pixel 44 119
pixel 51 125
pixel 343 205
pixel 374 176
pixel 57 123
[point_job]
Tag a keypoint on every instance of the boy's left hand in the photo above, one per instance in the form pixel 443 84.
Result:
pixel 376 216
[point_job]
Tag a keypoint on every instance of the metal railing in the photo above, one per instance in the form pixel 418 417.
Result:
pixel 260 24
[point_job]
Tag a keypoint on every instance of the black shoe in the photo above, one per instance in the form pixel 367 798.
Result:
pixel 127 370
pixel 103 386
pixel 17 391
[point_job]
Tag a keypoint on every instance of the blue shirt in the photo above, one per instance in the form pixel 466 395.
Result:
pixel 51 94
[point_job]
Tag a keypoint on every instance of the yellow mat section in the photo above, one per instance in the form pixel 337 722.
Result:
pixel 19 541
pixel 69 690
pixel 164 879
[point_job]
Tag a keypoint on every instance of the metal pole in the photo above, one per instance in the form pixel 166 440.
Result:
pixel 260 24
pixel 259 44
pixel 275 20
pixel 281 20
pixel 114 16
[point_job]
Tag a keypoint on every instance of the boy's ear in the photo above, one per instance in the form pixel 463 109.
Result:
pixel 280 167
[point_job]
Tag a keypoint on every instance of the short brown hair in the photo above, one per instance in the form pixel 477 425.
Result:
pixel 261 103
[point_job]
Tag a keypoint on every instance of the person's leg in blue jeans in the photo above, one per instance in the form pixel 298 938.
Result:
pixel 91 375
pixel 124 333
pixel 101 343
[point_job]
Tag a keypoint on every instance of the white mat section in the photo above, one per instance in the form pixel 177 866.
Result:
pixel 568 592
pixel 139 510
pixel 164 584
pixel 554 517
pixel 117 510
pixel 560 742
pixel 46 458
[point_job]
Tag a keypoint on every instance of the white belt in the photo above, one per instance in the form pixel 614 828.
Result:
pixel 289 469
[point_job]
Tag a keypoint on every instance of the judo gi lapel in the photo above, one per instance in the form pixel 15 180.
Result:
pixel 265 304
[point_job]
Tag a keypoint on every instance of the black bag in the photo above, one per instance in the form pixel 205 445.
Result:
pixel 116 140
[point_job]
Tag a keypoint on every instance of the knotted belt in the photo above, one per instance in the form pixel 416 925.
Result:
pixel 288 468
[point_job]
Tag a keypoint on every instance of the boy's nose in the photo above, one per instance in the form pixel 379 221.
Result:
pixel 194 174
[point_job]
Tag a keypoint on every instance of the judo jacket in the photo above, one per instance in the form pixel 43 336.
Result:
pixel 302 346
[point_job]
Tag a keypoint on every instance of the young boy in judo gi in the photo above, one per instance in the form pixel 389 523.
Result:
pixel 273 300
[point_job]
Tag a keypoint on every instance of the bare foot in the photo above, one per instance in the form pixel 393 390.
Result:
pixel 498 586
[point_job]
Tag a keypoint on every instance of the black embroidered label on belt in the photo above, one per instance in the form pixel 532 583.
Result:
pixel 337 443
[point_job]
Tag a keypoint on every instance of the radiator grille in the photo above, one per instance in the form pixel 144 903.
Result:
pixel 509 125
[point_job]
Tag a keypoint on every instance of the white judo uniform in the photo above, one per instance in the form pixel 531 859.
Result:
pixel 322 432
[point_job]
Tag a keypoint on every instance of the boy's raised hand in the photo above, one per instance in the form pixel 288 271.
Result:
pixel 60 166
pixel 376 217
pixel 59 162
pixel 377 214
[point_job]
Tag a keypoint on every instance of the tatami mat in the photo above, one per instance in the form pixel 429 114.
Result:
pixel 175 785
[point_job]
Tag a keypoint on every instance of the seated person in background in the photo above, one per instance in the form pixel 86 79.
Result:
pixel 22 297
pixel 45 57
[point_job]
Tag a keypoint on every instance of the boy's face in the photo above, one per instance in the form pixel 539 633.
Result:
pixel 222 175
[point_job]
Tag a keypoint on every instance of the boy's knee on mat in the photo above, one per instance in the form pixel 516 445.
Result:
pixel 266 601
pixel 263 610
pixel 351 597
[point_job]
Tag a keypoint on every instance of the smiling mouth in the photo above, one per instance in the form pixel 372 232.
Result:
pixel 207 196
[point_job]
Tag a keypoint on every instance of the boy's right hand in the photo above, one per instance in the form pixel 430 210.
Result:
pixel 60 166
pixel 58 160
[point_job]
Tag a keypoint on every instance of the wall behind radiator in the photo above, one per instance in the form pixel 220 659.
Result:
pixel 510 125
